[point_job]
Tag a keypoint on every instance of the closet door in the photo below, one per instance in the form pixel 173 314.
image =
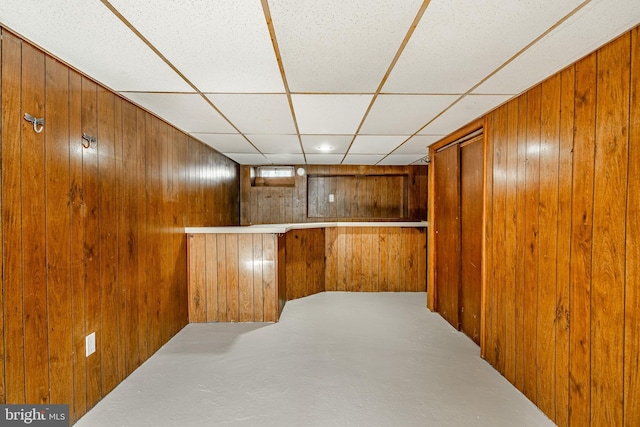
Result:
pixel 471 157
pixel 447 233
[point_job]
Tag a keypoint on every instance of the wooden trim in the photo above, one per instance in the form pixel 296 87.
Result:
pixel 483 297
pixel 460 133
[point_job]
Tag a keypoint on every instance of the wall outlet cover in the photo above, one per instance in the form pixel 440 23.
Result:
pixel 90 344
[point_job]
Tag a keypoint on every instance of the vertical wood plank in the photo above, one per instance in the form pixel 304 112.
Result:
pixel 269 277
pixel 548 238
pixel 211 277
pixel 141 198
pixel 245 279
pixel 581 243
pixel 108 241
pixel 222 277
pixel 520 238
pixel 91 241
pixel 76 194
pixel 129 236
pixel 565 190
pixel 511 210
pixel 374 242
pixel 384 253
pixel 331 249
pixel 33 219
pixel 258 291
pixel 609 209
pixel 357 260
pixel 532 242
pixel 197 278
pixel 231 243
pixel 58 238
pixel 632 293
pixel 12 219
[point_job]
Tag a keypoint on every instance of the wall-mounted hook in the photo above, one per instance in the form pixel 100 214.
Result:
pixel 36 122
pixel 91 140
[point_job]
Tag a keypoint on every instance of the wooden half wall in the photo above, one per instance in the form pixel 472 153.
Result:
pixel 562 249
pixel 247 277
pixel 93 237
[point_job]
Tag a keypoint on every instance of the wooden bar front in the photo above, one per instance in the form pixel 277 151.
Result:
pixel 248 277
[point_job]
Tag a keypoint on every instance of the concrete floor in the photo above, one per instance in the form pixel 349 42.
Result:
pixel 334 359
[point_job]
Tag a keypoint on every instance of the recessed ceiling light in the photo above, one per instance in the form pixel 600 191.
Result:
pixel 325 147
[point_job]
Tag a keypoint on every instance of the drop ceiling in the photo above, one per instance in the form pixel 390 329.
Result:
pixel 274 81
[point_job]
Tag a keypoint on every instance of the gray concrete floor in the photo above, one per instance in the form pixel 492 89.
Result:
pixel 334 359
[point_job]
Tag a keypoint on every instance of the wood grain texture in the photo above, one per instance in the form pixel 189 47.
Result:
pixel 548 240
pixel 609 216
pixel 12 220
pixel 511 209
pixel 471 156
pixel 58 223
pixel 447 228
pixel 83 225
pixel 361 193
pixel 532 200
pixel 581 243
pixel 632 293
pixel 33 219
pixel 570 232
pixel 565 190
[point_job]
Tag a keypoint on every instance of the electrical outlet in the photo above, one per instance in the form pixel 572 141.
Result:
pixel 90 344
pixel 332 198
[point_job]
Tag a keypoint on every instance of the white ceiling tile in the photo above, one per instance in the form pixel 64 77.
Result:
pixel 401 159
pixel 362 159
pixel 256 113
pixel 335 114
pixel 376 144
pixel 276 144
pixel 188 112
pixel 248 159
pixel 418 145
pixel 86 35
pixel 340 143
pixel 324 159
pixel 224 142
pixel 221 46
pixel 593 26
pixel 337 45
pixel 469 108
pixel 286 159
pixel 459 42
pixel 404 114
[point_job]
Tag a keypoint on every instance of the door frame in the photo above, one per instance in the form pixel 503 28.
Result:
pixel 432 292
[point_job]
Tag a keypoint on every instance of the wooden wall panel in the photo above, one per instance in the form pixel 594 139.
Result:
pixel 58 223
pixel 92 238
pixel 232 278
pixel 548 235
pixel 609 216
pixel 362 193
pixel 570 249
pixel 304 262
pixel 375 259
pixel 12 220
pixel 632 291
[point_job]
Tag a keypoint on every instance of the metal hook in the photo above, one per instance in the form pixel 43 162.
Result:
pixel 91 140
pixel 36 122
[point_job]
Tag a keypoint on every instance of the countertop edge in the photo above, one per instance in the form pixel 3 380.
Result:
pixel 283 228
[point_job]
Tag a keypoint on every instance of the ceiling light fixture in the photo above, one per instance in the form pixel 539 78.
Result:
pixel 325 148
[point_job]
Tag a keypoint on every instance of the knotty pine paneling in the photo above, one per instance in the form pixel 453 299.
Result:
pixel 375 259
pixel 363 193
pixel 233 278
pixel 92 237
pixel 562 192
